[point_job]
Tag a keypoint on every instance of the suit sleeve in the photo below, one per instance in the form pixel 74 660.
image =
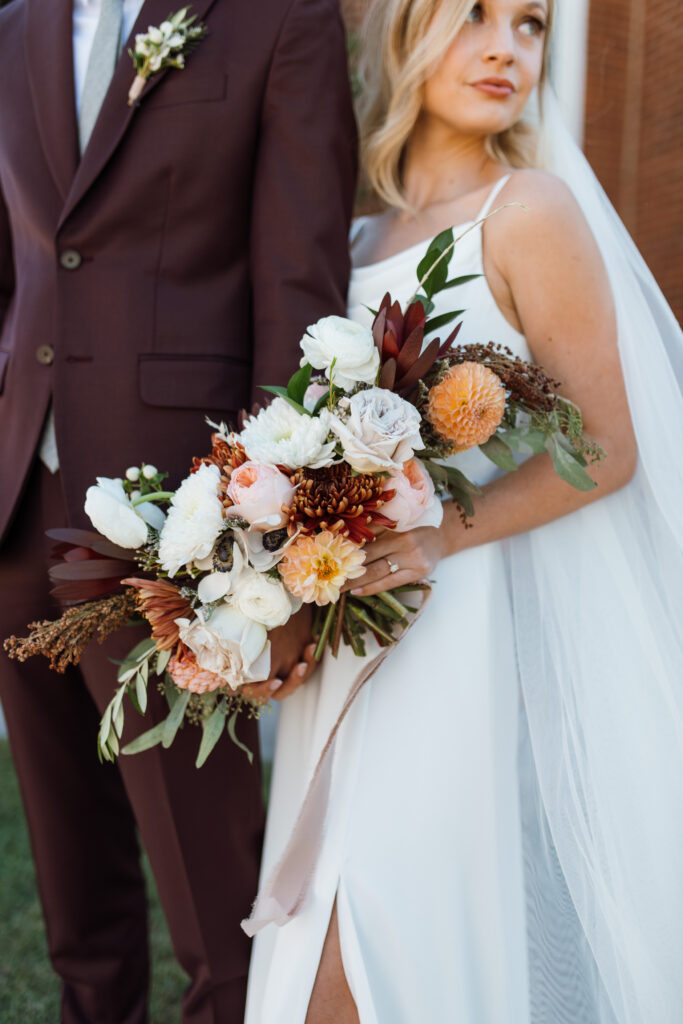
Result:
pixel 6 261
pixel 303 189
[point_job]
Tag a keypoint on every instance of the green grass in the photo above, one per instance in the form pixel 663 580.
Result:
pixel 29 990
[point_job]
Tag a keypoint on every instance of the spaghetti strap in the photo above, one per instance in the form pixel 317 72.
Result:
pixel 493 195
pixel 357 226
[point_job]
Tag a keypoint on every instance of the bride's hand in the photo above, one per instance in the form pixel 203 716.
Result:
pixel 415 553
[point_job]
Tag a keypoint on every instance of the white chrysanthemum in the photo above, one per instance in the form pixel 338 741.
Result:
pixel 280 436
pixel 194 520
pixel 344 349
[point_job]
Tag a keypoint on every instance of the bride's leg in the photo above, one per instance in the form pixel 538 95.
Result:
pixel 331 999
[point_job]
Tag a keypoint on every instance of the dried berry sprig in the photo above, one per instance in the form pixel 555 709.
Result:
pixel 527 385
pixel 62 641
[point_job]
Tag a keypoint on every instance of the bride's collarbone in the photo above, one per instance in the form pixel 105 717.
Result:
pixel 386 234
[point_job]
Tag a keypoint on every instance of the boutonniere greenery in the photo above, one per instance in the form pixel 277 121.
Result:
pixel 164 47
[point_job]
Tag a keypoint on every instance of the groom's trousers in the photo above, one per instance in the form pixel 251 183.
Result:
pixel 82 815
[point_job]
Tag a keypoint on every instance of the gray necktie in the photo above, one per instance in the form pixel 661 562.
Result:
pixel 103 58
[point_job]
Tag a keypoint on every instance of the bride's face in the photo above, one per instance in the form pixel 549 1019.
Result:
pixel 490 69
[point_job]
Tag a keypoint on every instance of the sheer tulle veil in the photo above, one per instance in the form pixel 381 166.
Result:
pixel 598 606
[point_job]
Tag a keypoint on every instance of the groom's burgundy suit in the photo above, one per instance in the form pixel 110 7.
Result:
pixel 159 278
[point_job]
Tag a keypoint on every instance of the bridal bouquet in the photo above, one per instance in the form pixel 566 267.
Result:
pixel 278 514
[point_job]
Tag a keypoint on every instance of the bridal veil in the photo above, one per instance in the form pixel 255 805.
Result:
pixel 598 606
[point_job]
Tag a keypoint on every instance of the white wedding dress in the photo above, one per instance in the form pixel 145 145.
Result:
pixel 422 845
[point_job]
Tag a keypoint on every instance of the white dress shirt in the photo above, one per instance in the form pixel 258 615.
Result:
pixel 85 18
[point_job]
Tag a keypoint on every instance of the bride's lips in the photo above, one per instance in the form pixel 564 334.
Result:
pixel 499 87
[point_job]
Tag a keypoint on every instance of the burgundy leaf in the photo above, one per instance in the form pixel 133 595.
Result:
pixel 388 375
pixel 378 326
pixel 411 349
pixel 420 367
pixel 449 340
pixel 415 317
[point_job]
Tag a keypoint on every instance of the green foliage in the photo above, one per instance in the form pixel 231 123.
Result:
pixel 29 989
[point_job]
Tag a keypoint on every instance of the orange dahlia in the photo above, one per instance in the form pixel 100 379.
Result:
pixel 187 675
pixel 467 406
pixel 314 568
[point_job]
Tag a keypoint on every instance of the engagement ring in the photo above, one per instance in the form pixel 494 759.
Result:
pixel 392 565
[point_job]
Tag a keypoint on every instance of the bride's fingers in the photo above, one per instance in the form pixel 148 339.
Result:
pixel 387 581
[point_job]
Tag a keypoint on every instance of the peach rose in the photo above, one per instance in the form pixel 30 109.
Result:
pixel 415 502
pixel 258 493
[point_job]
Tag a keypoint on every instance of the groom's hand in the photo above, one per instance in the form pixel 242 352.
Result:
pixel 291 659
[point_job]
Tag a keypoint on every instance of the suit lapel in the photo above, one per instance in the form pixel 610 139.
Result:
pixel 115 114
pixel 49 62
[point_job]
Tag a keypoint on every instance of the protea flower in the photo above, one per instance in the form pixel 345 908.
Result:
pixel 333 499
pixel 399 339
pixel 161 603
pixel 467 406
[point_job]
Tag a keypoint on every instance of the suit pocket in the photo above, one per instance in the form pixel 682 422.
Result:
pixel 194 382
pixel 4 363
pixel 177 89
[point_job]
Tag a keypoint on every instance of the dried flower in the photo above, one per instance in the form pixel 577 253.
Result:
pixel 467 407
pixel 63 641
pixel 315 568
pixel 161 603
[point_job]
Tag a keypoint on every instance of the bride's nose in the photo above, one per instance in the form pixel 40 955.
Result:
pixel 500 46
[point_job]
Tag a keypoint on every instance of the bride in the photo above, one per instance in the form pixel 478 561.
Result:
pixel 504 834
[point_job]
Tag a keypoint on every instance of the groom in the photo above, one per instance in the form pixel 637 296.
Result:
pixel 157 263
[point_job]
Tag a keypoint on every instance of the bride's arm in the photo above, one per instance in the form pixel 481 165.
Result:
pixel 543 264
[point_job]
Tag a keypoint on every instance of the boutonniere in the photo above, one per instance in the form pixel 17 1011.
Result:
pixel 163 47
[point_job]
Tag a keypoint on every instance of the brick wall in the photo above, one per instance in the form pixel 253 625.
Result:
pixel 634 126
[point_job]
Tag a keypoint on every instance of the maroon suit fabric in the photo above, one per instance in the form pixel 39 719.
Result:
pixel 171 270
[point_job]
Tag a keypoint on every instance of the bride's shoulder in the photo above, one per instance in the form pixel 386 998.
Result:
pixel 542 209
pixel 544 196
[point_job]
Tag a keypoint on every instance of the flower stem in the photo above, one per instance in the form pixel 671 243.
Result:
pixel 153 496
pixel 363 617
pixel 327 625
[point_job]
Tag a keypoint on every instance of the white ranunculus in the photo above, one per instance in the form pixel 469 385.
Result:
pixel 155 34
pixel 229 644
pixel 281 436
pixel 262 599
pixel 112 514
pixel 194 520
pixel 381 431
pixel 344 343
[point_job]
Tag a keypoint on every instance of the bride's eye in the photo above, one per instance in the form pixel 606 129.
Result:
pixel 532 27
pixel 476 14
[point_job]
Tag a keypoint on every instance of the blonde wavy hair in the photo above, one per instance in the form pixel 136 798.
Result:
pixel 404 41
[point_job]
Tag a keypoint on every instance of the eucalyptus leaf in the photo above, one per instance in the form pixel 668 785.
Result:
pixel 174 718
pixel 499 453
pixel 568 468
pixel 141 650
pixel 105 724
pixel 524 439
pixel 119 717
pixel 211 733
pixel 143 671
pixel 456 478
pixel 171 691
pixel 113 743
pixel 141 693
pixel 147 740
pixel 296 389
pixel 163 658
pixel 232 720
pixel 125 674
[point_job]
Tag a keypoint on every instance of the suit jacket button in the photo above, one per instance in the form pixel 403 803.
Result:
pixel 45 354
pixel 70 259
